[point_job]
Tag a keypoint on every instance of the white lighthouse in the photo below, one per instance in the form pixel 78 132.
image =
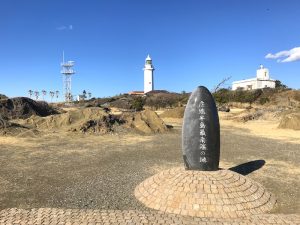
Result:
pixel 148 75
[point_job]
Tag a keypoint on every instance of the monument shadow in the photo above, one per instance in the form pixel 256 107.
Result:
pixel 248 167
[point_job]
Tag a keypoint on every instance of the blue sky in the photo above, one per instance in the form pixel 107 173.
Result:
pixel 191 42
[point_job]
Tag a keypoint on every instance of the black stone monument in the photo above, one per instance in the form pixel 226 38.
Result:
pixel 201 132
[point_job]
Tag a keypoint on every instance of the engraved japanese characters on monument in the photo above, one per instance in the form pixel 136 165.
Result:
pixel 202 139
pixel 201 132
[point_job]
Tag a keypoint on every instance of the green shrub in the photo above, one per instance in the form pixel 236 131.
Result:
pixel 280 85
pixel 222 96
pixel 225 95
pixel 164 100
pixel 138 103
pixel 263 100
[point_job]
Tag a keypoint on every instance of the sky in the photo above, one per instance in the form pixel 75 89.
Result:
pixel 191 43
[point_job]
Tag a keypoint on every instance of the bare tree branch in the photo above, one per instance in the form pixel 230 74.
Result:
pixel 218 86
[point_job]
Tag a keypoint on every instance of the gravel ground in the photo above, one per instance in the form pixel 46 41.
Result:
pixel 77 171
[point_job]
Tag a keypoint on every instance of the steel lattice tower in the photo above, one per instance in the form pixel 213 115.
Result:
pixel 67 72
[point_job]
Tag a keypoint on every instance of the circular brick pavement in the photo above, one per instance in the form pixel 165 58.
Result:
pixel 218 194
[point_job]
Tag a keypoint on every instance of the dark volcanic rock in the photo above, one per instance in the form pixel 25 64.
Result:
pixel 22 108
pixel 224 108
pixel 201 132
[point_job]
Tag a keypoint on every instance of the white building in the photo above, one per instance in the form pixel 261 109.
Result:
pixel 80 98
pixel 148 75
pixel 262 80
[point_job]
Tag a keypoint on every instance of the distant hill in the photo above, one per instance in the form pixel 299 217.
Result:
pixel 266 97
pixel 153 100
pixel 164 99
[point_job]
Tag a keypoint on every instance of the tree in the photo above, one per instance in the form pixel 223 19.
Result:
pixel 51 95
pixel 44 93
pixel 36 93
pixel 222 96
pixel 252 96
pixel 84 94
pixel 30 93
pixel 280 85
pixel 56 94
pixel 138 104
pixel 90 94
pixel 219 85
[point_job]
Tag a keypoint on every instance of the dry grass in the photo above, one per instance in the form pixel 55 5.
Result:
pixel 18 142
pixel 263 128
pixel 267 128
pixel 76 170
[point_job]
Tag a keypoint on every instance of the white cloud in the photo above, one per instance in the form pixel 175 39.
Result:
pixel 63 27
pixel 285 56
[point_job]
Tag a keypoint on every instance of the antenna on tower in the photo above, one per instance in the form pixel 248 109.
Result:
pixel 67 71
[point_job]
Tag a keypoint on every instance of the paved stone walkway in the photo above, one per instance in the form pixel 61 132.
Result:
pixel 79 216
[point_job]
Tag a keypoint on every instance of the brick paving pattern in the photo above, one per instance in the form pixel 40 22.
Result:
pixel 77 216
pixel 218 194
pixel 181 197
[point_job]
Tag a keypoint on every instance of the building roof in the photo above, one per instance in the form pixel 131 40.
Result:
pixel 136 93
pixel 252 79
